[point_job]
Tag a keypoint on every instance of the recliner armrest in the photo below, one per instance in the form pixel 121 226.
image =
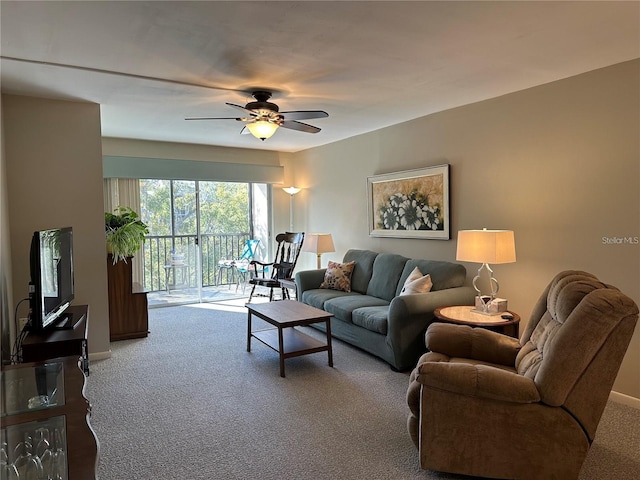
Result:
pixel 481 381
pixel 474 343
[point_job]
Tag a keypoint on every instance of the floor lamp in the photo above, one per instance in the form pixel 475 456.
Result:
pixel 291 191
pixel 318 243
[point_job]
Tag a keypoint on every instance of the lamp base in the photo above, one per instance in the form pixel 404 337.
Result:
pixel 487 305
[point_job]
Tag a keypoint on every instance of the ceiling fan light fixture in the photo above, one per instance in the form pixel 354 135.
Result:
pixel 262 129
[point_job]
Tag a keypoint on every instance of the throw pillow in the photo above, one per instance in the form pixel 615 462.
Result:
pixel 417 283
pixel 338 276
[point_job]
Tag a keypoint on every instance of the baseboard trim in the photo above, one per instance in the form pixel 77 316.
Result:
pixel 625 399
pixel 99 356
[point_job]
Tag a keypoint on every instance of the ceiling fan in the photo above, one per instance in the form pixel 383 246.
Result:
pixel 263 117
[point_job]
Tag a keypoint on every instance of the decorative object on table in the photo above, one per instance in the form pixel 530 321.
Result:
pixel 125 233
pixel 291 191
pixel 287 252
pixel 176 258
pixel 492 306
pixel 410 204
pixel 485 247
pixel 318 243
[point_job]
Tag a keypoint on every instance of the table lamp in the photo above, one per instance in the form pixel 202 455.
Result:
pixel 485 247
pixel 318 243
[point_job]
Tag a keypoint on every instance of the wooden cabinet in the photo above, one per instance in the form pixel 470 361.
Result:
pixel 128 315
pixel 47 399
pixel 61 343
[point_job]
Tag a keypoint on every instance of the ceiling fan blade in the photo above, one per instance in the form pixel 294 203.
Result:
pixel 304 114
pixel 245 131
pixel 244 110
pixel 220 118
pixel 303 127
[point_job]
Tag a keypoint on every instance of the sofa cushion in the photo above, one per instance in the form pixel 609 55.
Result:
pixel 341 307
pixel 387 269
pixel 318 296
pixel 371 318
pixel 338 276
pixel 417 283
pixel 443 274
pixel 363 270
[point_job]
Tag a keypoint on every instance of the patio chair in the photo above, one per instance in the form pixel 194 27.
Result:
pixel 239 267
pixel 287 252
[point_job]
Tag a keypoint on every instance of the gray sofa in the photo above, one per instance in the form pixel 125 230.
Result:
pixel 373 316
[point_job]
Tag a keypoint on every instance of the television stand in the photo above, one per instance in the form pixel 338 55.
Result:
pixel 65 342
pixel 67 321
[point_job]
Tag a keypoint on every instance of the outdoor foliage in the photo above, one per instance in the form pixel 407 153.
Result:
pixel 224 225
pixel 224 207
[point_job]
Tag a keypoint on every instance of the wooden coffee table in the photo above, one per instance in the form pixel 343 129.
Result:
pixel 285 339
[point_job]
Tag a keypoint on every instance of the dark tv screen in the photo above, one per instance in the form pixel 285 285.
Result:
pixel 52 282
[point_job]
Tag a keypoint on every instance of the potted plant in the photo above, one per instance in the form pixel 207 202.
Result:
pixel 124 233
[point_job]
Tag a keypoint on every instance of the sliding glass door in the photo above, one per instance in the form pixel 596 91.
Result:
pixel 193 225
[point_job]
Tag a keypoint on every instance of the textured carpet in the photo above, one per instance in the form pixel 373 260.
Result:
pixel 189 402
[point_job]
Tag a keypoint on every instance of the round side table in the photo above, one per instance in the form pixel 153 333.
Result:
pixel 463 315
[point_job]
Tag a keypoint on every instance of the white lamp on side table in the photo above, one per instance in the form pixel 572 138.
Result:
pixel 485 247
pixel 318 243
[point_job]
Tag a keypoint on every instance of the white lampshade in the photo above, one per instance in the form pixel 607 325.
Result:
pixel 291 190
pixel 262 129
pixel 486 246
pixel 318 243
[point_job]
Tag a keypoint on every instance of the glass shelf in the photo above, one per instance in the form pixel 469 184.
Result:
pixel 34 450
pixel 31 389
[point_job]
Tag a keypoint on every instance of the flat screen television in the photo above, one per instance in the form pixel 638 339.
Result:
pixel 51 289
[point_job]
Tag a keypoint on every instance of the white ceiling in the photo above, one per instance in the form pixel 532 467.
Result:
pixel 368 64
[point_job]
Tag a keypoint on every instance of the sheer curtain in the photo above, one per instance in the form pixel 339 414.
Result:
pixel 125 192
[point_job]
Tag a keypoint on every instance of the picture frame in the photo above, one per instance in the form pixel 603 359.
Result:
pixel 410 204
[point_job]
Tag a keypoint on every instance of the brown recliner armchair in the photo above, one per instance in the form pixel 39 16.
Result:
pixel 489 405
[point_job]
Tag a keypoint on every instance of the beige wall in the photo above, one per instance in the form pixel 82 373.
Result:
pixel 126 147
pixel 6 292
pixel 54 179
pixel 559 164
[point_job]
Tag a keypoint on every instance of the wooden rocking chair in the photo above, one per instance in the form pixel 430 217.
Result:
pixel 287 252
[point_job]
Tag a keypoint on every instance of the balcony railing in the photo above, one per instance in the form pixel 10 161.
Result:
pixel 159 269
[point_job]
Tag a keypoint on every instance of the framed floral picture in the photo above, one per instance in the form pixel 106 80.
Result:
pixel 410 204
